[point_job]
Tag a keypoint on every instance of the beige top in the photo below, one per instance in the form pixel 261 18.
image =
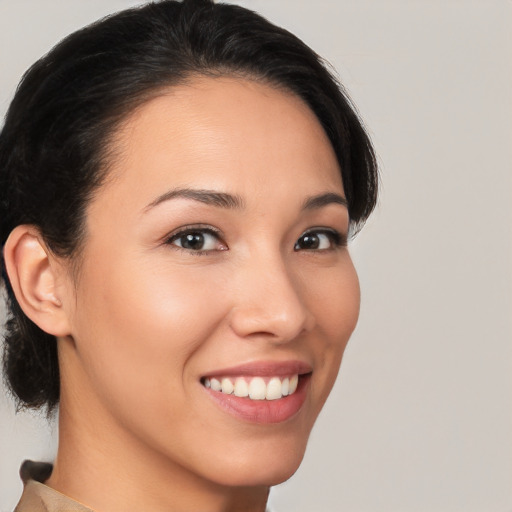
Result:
pixel 38 497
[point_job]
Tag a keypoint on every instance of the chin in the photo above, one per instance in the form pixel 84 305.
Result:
pixel 262 477
pixel 266 469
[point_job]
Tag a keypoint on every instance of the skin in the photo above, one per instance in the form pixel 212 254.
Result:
pixel 145 318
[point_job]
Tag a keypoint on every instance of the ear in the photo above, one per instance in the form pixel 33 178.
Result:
pixel 35 276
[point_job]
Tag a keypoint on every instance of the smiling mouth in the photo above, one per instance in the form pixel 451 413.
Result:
pixel 254 388
pixel 260 392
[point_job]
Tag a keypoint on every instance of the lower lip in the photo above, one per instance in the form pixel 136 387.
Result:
pixel 263 411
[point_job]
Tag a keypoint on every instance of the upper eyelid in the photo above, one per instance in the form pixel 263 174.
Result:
pixel 176 233
pixel 325 229
pixel 341 236
pixel 321 229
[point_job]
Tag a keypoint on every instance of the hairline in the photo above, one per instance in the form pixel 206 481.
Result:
pixel 111 151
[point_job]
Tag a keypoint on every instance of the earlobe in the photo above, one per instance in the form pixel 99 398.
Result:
pixel 33 275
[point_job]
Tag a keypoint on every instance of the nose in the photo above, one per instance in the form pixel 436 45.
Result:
pixel 270 302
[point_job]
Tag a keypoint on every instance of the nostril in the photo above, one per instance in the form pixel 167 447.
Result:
pixel 275 322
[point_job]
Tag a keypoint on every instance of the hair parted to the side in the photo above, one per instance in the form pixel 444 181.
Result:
pixel 55 143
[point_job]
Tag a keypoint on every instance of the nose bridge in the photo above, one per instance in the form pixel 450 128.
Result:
pixel 269 302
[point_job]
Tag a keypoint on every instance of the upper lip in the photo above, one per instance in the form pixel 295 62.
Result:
pixel 264 369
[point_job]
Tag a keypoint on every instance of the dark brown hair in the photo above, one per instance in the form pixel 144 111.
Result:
pixel 55 140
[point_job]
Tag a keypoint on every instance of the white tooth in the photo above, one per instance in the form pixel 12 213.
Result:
pixel 241 387
pixel 293 384
pixel 206 383
pixel 274 389
pixel 215 385
pixel 285 386
pixel 227 386
pixel 257 389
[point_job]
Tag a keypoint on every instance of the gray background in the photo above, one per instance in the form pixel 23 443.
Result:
pixel 420 419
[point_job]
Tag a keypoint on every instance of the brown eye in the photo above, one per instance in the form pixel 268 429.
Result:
pixel 318 241
pixel 193 241
pixel 197 240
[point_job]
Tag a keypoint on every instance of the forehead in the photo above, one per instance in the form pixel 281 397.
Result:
pixel 223 131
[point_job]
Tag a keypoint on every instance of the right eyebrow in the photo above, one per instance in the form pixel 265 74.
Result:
pixel 321 200
pixel 210 197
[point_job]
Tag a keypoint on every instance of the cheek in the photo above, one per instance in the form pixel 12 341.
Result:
pixel 335 301
pixel 344 312
pixel 148 322
pixel 334 297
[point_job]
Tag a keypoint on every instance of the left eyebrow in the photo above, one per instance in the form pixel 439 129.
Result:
pixel 210 197
pixel 315 202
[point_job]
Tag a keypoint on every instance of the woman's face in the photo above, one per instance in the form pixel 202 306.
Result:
pixel 215 253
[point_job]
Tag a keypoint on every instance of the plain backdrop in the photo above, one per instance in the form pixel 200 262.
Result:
pixel 420 419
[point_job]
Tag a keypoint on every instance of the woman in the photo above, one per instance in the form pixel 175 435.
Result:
pixel 178 186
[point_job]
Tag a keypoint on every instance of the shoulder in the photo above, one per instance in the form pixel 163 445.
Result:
pixel 38 497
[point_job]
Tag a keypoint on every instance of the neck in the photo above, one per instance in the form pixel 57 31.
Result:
pixel 108 469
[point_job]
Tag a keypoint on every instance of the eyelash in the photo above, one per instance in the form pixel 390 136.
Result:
pixel 192 230
pixel 336 238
